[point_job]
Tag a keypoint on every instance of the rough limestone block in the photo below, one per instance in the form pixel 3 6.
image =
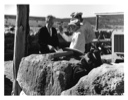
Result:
pixel 104 80
pixel 38 75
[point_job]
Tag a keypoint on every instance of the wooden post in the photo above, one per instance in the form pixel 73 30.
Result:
pixel 97 22
pixel 20 42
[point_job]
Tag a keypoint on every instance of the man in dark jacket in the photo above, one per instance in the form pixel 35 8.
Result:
pixel 47 36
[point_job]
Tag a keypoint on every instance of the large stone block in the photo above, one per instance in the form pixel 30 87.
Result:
pixel 104 80
pixel 39 75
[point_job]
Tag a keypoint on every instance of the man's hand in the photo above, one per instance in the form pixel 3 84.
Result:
pixel 51 48
pixel 59 50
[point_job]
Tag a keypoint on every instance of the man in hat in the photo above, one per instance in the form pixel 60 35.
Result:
pixel 82 32
pixel 47 36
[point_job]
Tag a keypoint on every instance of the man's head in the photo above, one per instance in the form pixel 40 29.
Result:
pixel 49 20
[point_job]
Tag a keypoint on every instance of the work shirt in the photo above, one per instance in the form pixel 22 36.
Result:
pixel 82 36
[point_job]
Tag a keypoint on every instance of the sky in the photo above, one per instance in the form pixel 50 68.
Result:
pixel 64 10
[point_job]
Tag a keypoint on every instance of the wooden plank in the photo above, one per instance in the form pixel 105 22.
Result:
pixel 112 13
pixel 97 22
pixel 101 40
pixel 20 42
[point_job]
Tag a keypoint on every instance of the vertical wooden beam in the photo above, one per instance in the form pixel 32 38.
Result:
pixel 20 42
pixel 97 22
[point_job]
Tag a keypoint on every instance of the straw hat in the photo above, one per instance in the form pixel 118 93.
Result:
pixel 77 15
pixel 76 19
pixel 75 22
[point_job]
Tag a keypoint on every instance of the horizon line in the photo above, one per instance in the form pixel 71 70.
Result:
pixel 45 16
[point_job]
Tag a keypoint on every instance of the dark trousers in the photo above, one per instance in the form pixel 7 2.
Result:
pixel 45 49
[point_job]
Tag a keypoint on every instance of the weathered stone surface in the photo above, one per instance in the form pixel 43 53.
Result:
pixel 38 75
pixel 8 69
pixel 8 78
pixel 104 80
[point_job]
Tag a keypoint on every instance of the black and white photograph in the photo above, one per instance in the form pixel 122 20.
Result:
pixel 63 50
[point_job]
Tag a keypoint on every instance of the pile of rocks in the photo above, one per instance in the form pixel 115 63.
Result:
pixel 39 75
